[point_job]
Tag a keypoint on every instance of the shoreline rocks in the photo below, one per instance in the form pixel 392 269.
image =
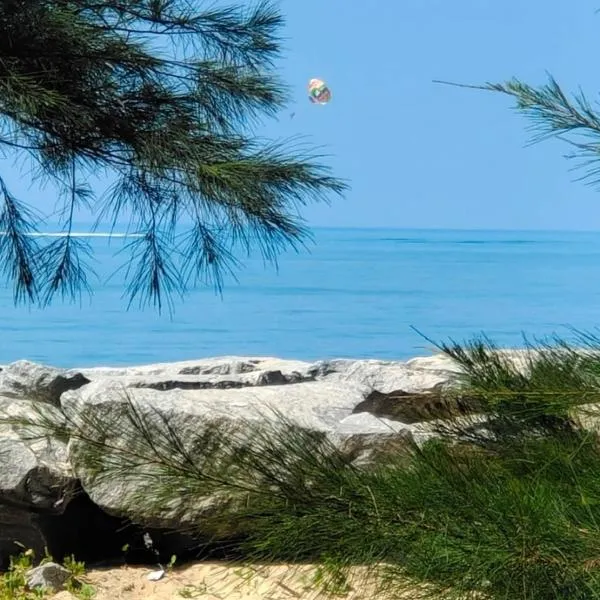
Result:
pixel 50 497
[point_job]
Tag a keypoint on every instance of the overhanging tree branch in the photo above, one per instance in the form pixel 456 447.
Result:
pixel 83 82
pixel 553 114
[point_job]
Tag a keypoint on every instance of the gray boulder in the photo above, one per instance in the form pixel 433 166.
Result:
pixel 231 392
pixel 50 575
pixel 35 478
pixel 191 413
pixel 43 478
pixel 27 380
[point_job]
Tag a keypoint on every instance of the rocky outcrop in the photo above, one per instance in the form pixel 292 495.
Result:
pixel 24 379
pixel 50 496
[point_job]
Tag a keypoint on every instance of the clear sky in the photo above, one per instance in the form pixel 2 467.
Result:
pixel 421 155
pixel 424 155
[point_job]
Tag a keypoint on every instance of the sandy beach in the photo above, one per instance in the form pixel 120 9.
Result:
pixel 218 581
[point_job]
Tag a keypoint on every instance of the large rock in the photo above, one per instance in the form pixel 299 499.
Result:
pixel 321 406
pixel 35 479
pixel 24 379
pixel 50 494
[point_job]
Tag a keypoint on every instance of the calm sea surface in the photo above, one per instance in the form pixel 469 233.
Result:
pixel 356 293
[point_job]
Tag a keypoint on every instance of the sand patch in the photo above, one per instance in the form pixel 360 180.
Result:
pixel 219 581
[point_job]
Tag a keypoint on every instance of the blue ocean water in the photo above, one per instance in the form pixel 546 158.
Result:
pixel 355 294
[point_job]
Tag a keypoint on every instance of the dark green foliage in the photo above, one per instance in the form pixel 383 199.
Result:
pixel 513 515
pixel 532 393
pixel 161 95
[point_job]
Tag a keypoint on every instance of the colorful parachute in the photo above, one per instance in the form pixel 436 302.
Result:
pixel 318 92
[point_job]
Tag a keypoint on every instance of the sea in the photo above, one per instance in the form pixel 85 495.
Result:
pixel 388 294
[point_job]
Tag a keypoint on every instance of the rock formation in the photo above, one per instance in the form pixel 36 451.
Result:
pixel 50 498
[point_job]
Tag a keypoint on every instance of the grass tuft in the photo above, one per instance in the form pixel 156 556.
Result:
pixel 13 583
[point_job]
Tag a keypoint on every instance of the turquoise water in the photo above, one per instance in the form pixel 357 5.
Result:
pixel 355 294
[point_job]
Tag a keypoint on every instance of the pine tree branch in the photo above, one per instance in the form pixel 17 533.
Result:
pixel 18 250
pixel 553 114
pixel 82 82
pixel 66 271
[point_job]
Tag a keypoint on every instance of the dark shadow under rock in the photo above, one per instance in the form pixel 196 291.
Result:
pixel 85 531
pixel 18 532
pixel 63 384
pixel 167 385
pixel 91 535
pixel 279 378
pixel 416 407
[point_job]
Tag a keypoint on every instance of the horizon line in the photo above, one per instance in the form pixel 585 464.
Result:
pixel 461 229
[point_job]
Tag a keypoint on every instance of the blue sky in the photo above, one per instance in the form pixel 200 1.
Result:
pixel 421 155
pixel 424 155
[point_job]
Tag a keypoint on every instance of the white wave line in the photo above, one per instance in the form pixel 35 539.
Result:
pixel 81 234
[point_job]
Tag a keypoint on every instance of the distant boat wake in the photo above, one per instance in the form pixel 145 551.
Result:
pixel 81 234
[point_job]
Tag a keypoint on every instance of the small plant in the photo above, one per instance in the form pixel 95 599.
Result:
pixel 13 583
pixel 76 584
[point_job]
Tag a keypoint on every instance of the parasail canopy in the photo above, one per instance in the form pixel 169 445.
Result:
pixel 318 92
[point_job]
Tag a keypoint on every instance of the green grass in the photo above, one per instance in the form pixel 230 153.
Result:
pixel 13 583
pixel 507 509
